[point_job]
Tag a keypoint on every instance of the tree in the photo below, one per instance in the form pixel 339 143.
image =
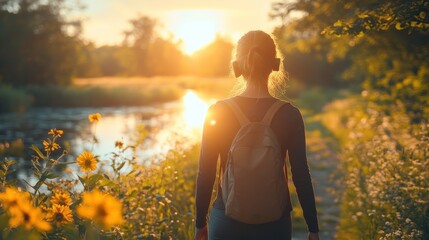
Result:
pixel 385 44
pixel 37 44
pixel 165 58
pixel 140 37
pixel 212 60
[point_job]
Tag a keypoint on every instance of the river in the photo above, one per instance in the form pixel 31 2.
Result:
pixel 166 123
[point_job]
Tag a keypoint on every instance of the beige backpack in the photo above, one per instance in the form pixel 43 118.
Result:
pixel 253 183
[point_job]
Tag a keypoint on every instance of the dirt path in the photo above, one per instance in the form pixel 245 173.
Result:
pixel 323 162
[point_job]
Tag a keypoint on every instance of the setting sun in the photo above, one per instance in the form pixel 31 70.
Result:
pixel 196 28
pixel 194 110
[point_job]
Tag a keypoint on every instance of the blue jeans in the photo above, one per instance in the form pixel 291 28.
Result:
pixel 222 227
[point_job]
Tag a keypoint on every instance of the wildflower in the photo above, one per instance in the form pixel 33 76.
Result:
pixel 11 197
pixel 95 117
pixel 87 161
pixel 59 214
pixel 102 208
pixel 28 216
pixel 61 198
pixel 119 144
pixel 56 133
pixel 50 146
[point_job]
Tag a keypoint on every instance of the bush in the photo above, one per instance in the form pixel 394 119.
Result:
pixel 384 163
pixel 13 100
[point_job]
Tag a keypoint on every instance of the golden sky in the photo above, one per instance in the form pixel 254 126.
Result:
pixel 194 21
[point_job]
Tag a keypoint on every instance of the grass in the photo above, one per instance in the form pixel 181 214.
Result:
pixel 72 96
pixel 110 92
pixel 163 206
pixel 13 100
pixel 208 87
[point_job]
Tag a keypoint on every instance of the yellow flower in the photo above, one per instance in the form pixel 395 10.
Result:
pixel 95 117
pixel 59 214
pixel 28 216
pixel 50 146
pixel 56 133
pixel 21 210
pixel 119 144
pixel 103 209
pixel 61 198
pixel 11 197
pixel 87 161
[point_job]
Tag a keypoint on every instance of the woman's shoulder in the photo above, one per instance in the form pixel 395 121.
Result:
pixel 289 107
pixel 217 108
pixel 290 112
pixel 221 106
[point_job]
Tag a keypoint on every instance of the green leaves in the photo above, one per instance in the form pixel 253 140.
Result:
pixel 382 16
pixel 96 181
pixel 37 151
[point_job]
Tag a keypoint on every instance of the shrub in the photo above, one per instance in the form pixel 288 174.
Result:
pixel 13 100
pixel 384 163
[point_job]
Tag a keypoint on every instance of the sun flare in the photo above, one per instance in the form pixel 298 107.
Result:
pixel 195 110
pixel 196 28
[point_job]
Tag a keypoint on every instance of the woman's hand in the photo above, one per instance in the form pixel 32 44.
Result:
pixel 201 233
pixel 313 236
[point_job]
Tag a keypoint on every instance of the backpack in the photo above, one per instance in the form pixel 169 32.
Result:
pixel 253 183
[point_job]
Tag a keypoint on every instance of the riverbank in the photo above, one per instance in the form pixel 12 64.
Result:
pixel 121 124
pixel 109 92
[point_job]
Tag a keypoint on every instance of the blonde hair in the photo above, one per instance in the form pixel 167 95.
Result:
pixel 262 64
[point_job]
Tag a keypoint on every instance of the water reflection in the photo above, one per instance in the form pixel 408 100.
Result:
pixel 183 125
pixel 169 123
pixel 175 122
pixel 195 110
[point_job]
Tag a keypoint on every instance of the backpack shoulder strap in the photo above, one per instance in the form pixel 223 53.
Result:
pixel 242 119
pixel 271 112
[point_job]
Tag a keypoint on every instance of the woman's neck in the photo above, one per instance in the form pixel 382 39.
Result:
pixel 256 91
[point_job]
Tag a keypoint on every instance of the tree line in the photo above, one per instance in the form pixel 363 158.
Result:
pixel 39 45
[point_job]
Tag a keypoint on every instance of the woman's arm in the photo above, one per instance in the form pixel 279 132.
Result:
pixel 207 167
pixel 300 172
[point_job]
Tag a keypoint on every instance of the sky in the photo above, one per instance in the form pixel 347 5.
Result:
pixel 196 22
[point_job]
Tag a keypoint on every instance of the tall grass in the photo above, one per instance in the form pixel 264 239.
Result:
pixel 159 199
pixel 110 92
pixel 71 96
pixel 384 161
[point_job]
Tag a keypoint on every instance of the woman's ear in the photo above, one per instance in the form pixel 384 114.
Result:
pixel 237 69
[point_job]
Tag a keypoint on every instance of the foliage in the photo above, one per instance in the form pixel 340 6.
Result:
pixel 384 46
pixel 41 46
pixel 390 63
pixel 55 96
pixel 360 17
pixel 212 60
pixel 13 100
pixel 13 149
pixel 159 198
pixel 114 198
pixel 146 52
pixel 37 43
pixel 384 159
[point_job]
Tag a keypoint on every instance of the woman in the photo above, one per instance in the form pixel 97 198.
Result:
pixel 255 61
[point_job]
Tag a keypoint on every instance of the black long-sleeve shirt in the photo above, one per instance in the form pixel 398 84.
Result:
pixel 220 128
